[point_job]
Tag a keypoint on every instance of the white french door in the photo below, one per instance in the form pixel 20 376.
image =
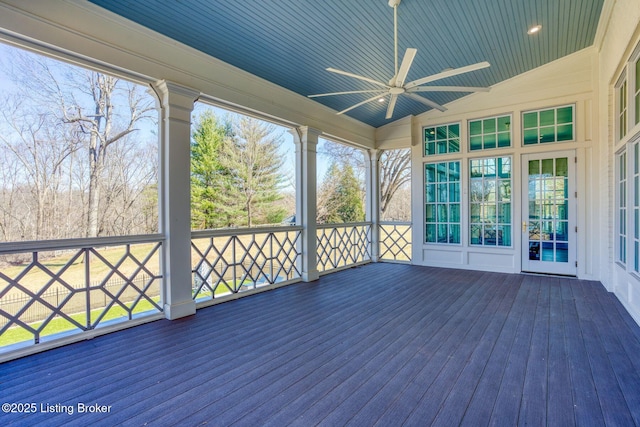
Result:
pixel 549 233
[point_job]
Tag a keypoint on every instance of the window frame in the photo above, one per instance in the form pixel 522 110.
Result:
pixel 426 154
pixel 621 215
pixel 621 95
pixel 497 132
pixel 555 125
pixel 435 202
pixel 496 202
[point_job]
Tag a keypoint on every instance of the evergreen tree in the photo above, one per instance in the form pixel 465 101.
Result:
pixel 256 167
pixel 212 205
pixel 340 199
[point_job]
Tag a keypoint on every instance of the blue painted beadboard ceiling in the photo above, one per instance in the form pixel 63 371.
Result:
pixel 292 42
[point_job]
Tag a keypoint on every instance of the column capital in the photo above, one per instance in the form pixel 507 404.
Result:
pixel 305 134
pixel 176 100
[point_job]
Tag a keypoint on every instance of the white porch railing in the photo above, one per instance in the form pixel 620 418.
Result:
pixel 343 245
pixel 228 262
pixel 395 241
pixel 52 289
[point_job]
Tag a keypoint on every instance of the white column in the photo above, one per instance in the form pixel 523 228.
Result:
pixel 175 203
pixel 373 199
pixel 306 140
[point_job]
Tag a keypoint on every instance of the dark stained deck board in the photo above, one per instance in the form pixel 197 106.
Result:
pixel 558 372
pixel 533 407
pixel 466 315
pixel 325 337
pixel 437 315
pixel 405 344
pixel 480 408
pixel 373 337
pixel 456 401
pixel 507 406
pixel 382 343
pixel 240 364
pixel 586 405
pixel 614 408
pixel 621 362
pixel 454 362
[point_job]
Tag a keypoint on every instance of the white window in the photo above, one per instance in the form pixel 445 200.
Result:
pixel 442 202
pixel 490 201
pixel 622 208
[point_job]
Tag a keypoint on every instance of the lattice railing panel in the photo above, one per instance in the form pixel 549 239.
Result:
pixel 227 262
pixel 342 245
pixel 395 241
pixel 77 289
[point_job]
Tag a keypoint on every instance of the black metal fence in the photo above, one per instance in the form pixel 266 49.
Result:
pixel 98 298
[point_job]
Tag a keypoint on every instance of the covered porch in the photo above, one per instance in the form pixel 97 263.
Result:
pixel 383 344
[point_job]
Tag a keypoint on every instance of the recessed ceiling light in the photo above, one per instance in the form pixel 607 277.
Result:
pixel 380 99
pixel 535 29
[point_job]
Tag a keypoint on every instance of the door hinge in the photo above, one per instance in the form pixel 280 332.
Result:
pixel 576 263
pixel 575 160
pixel 576 194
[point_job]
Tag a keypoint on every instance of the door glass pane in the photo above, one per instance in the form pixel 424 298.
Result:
pixel 548 208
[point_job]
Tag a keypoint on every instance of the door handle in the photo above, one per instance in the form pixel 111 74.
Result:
pixel 524 226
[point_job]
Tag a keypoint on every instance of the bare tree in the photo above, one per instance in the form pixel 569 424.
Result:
pixel 96 111
pixel 40 146
pixel 395 170
pixel 395 175
pixel 61 132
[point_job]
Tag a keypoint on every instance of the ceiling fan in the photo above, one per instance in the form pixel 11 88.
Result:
pixel 397 86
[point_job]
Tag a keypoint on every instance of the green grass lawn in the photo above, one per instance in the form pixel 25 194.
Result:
pixel 17 334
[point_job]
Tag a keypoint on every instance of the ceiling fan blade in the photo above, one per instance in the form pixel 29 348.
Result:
pixel 347 93
pixel 425 101
pixel 392 105
pixel 409 54
pixel 373 98
pixel 449 73
pixel 448 89
pixel 357 76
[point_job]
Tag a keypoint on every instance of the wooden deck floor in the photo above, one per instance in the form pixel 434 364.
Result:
pixel 382 344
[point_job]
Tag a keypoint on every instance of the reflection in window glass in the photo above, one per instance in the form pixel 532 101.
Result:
pixel 548 199
pixel 490 201
pixel 636 206
pixel 622 207
pixel 442 202
pixel 441 139
pixel 637 94
pixel 550 125
pixel 622 110
pixel 494 132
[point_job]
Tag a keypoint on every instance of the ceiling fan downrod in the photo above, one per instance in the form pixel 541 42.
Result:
pixel 394 4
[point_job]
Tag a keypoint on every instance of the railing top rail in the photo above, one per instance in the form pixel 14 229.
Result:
pixel 395 223
pixel 224 232
pixel 62 244
pixel 344 224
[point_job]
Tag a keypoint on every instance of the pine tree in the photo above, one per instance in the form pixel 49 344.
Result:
pixel 212 205
pixel 256 167
pixel 340 199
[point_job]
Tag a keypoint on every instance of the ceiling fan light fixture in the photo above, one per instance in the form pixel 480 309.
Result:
pixel 534 30
pixel 397 85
